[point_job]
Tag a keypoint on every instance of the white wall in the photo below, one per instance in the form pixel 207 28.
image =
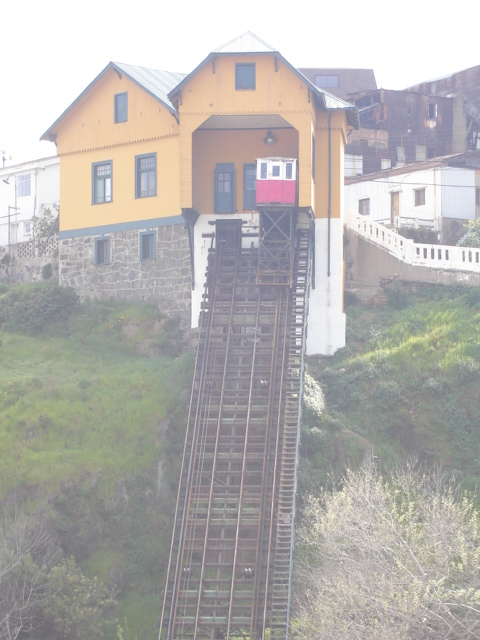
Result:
pixel 44 193
pixel 458 193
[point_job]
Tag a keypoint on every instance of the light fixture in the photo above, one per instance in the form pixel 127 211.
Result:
pixel 269 139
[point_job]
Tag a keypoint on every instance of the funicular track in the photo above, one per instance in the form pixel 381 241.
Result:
pixel 229 568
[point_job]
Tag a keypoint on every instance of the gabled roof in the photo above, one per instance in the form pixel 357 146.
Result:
pixel 157 83
pixel 248 44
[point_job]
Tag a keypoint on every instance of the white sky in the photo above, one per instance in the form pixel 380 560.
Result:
pixel 52 49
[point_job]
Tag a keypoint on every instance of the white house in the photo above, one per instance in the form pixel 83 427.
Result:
pixel 27 190
pixel 432 194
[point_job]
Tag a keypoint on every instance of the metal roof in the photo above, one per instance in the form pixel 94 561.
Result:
pixel 157 83
pixel 246 43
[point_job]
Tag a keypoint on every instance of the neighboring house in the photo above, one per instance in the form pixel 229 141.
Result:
pixel 148 159
pixel 463 88
pixel 401 127
pixel 439 194
pixel 27 190
pixel 341 82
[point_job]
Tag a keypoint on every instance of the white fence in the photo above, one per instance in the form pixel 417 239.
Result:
pixel 428 255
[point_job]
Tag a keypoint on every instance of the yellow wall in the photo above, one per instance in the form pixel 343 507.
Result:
pixel 338 136
pixel 90 123
pixel 88 134
pixel 76 186
pixel 279 92
pixel 238 147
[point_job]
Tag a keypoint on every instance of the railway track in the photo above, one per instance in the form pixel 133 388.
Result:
pixel 230 559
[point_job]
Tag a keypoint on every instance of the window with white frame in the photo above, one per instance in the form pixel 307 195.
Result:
pixel 24 185
pixel 419 197
pixel 147 245
pixel 27 228
pixel 102 182
pixel 146 176
pixel 364 207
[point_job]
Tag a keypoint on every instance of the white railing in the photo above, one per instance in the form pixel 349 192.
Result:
pixel 430 255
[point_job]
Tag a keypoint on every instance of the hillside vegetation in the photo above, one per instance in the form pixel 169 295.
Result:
pixel 93 401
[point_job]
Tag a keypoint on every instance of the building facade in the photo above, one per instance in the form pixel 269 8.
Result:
pixel 149 159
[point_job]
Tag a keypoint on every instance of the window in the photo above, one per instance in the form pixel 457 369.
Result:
pixel 432 111
pixel 102 182
pixel 244 77
pixel 27 228
pixel 400 155
pixel 263 170
pixel 289 170
pixel 420 152
pixel 364 207
pixel 102 250
pixel 24 185
pixel 146 176
pixel 147 245
pixel 120 107
pixel 419 197
pixel 326 82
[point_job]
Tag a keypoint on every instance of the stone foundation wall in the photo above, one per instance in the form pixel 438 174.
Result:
pixel 164 281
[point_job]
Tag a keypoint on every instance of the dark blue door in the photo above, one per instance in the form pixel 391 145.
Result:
pixel 249 186
pixel 225 188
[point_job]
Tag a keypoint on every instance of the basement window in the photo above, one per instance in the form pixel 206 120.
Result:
pixel 419 197
pixel 102 251
pixel 147 245
pixel 245 77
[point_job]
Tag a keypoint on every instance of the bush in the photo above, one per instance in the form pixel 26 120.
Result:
pixel 47 271
pixel 31 310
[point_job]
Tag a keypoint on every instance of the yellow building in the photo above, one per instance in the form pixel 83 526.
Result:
pixel 148 159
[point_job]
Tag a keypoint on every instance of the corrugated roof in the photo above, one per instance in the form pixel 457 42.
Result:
pixel 157 83
pixel 246 43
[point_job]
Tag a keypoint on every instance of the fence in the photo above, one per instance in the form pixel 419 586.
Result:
pixel 410 252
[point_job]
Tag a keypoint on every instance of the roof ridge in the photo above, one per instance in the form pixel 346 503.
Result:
pixel 248 35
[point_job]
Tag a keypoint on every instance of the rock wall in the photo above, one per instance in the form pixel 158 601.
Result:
pixel 164 281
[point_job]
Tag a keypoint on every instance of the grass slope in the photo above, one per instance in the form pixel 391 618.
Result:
pixel 406 383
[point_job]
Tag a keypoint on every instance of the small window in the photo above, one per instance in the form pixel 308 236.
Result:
pixel 364 207
pixel 27 228
pixel 432 111
pixel 146 176
pixel 326 81
pixel 400 155
pixel 419 197
pixel 121 107
pixel 263 170
pixel 288 170
pixel 102 182
pixel 102 250
pixel 244 77
pixel 420 152
pixel 24 187
pixel 275 170
pixel 147 245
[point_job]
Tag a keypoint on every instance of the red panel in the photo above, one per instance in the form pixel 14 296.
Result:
pixel 276 191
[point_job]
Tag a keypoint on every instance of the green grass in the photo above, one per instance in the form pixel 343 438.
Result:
pixel 407 381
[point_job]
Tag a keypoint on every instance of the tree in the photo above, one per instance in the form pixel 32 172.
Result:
pixel 389 559
pixel 26 554
pixel 472 237
pixel 77 605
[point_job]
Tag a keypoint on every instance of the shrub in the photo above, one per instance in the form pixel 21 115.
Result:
pixel 47 271
pixel 31 310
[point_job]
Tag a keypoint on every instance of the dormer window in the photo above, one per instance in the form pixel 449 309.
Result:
pixel 121 107
pixel 244 77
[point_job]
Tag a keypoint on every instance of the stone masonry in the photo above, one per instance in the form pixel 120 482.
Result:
pixel 164 281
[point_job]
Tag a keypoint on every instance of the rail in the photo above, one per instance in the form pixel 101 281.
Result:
pixel 414 253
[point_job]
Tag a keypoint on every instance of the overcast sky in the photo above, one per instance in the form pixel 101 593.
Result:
pixel 52 49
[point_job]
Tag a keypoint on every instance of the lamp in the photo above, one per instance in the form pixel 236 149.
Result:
pixel 269 139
